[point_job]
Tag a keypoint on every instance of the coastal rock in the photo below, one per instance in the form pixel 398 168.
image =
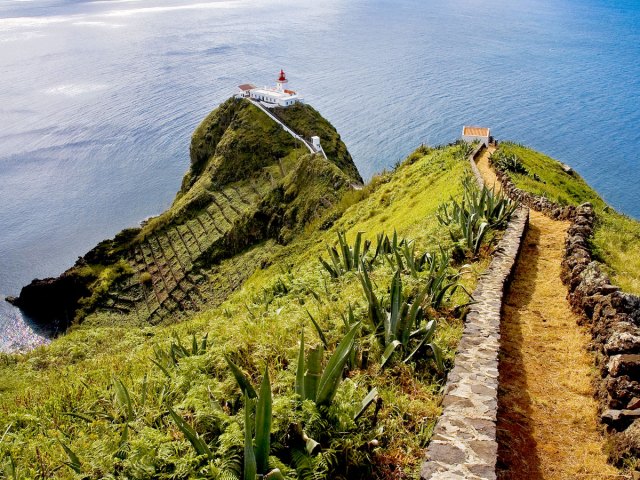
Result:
pixel 620 419
pixel 634 403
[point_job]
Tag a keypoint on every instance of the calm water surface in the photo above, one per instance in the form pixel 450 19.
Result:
pixel 98 99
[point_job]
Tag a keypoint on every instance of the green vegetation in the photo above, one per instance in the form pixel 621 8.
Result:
pixel 249 183
pixel 306 121
pixel 108 400
pixel 480 211
pixel 616 242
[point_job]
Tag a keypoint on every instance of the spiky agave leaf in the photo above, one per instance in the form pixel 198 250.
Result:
pixel 313 372
pixel 199 445
pixel 368 400
pixel 162 368
pixel 123 398
pixel 389 351
pixel 74 462
pixel 263 424
pixel 274 474
pixel 347 258
pixel 391 320
pixel 332 272
pixel 377 315
pixel 332 375
pixel 301 369
pixel 241 378
pixel 194 344
pixel 250 466
pixel 319 330
pixel 425 336
pixel 356 250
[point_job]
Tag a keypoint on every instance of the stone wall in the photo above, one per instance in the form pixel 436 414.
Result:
pixel 612 315
pixel 464 443
pixel 474 168
pixel 614 320
pixel 535 202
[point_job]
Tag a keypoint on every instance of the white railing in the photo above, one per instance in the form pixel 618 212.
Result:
pixel 287 129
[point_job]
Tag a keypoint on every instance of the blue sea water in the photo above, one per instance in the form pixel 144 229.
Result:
pixel 98 99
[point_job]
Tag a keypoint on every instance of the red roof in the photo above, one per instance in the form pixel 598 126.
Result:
pixel 246 86
pixel 475 131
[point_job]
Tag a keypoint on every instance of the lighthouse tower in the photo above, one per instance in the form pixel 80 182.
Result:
pixel 282 80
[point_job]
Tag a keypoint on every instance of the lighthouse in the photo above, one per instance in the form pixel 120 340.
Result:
pixel 280 83
pixel 278 96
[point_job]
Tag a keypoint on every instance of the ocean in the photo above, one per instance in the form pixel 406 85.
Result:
pixel 98 99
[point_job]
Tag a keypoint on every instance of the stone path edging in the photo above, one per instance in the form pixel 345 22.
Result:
pixel 464 443
pixel 613 317
pixel 474 168
pixel 535 202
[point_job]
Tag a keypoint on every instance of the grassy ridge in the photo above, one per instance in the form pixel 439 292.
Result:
pixel 67 397
pixel 249 182
pixel 616 241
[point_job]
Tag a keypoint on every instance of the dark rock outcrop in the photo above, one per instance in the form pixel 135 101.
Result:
pixel 53 301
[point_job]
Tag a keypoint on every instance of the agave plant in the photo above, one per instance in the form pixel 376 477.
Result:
pixel 314 383
pixel 196 441
pixel 165 359
pixel 488 205
pixel 400 327
pixel 508 163
pixel 257 426
pixel 467 231
pixel 390 249
pixel 480 210
pixel 441 282
pixel 346 258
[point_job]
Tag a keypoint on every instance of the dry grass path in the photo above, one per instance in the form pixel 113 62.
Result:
pixel 547 426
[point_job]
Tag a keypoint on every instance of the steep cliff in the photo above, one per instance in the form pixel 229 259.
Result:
pixel 249 182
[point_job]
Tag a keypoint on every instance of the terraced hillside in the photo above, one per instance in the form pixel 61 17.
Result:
pixel 171 259
pixel 249 182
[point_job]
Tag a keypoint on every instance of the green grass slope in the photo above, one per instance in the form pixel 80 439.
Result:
pixel 249 182
pixel 306 121
pixel 97 402
pixel 616 242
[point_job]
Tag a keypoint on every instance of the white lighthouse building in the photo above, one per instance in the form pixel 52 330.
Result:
pixel 278 96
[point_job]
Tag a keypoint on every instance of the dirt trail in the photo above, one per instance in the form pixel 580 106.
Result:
pixel 547 427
